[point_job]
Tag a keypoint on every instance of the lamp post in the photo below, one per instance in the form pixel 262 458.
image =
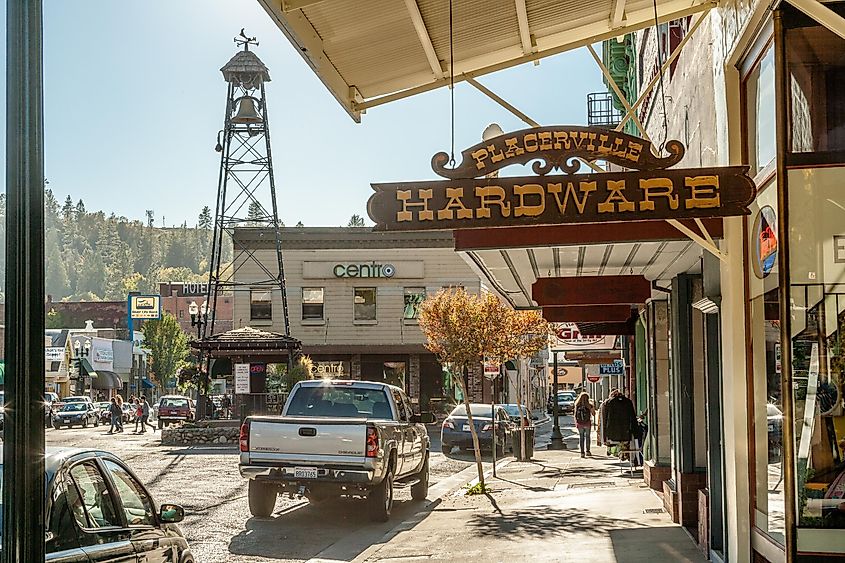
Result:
pixel 199 317
pixel 81 352
pixel 557 437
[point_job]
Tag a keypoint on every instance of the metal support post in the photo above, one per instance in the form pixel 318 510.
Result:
pixel 557 437
pixel 23 433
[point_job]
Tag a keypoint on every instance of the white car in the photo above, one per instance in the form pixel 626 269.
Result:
pixel 77 399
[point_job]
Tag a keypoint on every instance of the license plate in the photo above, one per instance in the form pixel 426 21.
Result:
pixel 466 427
pixel 305 472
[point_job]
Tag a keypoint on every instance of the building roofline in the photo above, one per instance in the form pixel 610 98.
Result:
pixel 310 238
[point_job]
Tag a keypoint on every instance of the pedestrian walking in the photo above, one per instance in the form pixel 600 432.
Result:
pixel 139 412
pixel 225 406
pixel 119 401
pixel 145 414
pixel 584 412
pixel 115 414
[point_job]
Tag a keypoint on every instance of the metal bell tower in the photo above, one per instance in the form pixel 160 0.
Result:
pixel 246 177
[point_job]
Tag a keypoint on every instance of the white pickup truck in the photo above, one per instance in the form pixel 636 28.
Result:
pixel 334 439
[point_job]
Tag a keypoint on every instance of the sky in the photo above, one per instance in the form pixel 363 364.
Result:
pixel 134 99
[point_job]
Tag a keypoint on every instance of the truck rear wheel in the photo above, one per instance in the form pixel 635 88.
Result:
pixel 419 490
pixel 380 499
pixel 262 499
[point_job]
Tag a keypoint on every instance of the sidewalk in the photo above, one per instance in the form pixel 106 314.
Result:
pixel 558 507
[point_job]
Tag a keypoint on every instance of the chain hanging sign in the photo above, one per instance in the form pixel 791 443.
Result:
pixel 473 197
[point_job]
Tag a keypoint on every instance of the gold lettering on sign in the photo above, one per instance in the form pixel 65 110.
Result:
pixel 491 195
pixel 634 150
pixel 584 187
pixel 704 192
pixel 545 140
pixel 513 148
pixel 405 215
pixel 657 187
pixel 602 148
pixel 532 138
pixel 480 156
pixel 616 201
pixel 522 209
pixel 454 195
pixel 561 140
pixel 495 156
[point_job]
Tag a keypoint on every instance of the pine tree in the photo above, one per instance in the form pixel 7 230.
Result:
pixel 150 217
pixel 204 221
pixel 356 221
pixel 300 224
pixel 80 209
pixel 56 280
pixel 256 214
pixel 67 210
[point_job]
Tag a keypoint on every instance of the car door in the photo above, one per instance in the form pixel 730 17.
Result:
pixel 62 538
pixel 149 538
pixel 103 534
pixel 416 434
pixel 404 439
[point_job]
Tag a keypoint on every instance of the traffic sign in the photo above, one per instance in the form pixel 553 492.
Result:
pixel 592 378
pixel 616 368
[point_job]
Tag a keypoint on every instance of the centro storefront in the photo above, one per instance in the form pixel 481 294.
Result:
pixel 353 299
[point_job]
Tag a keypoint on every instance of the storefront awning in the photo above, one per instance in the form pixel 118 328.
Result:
pixel 371 53
pixel 87 368
pixel 106 380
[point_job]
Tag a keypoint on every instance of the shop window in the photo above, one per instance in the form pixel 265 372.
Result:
pixel 414 296
pixel 365 304
pixel 260 305
pixel 312 303
pixel 759 97
pixel 816 72
pixel 766 365
pixel 816 203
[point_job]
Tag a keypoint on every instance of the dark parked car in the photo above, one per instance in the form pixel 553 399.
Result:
pixel 79 414
pixel 456 431
pixel 97 510
pixel 513 413
pixel 103 411
pixel 565 402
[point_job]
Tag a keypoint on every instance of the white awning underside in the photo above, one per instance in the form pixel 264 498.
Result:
pixel 370 52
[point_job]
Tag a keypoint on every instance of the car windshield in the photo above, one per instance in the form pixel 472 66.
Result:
pixel 476 409
pixel 340 401
pixel 73 407
pixel 174 403
pixel 513 410
pixel 75 400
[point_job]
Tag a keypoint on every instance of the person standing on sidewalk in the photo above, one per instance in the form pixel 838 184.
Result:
pixel 584 412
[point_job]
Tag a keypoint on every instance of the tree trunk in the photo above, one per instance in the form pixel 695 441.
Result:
pixel 476 445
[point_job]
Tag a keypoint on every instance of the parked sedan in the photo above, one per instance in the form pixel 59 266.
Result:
pixel 513 413
pixel 81 414
pixel 96 507
pixel 565 402
pixel 455 430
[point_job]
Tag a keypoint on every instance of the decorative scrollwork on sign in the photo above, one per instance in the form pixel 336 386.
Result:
pixel 557 148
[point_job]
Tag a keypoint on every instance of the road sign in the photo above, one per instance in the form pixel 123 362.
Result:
pixel 145 306
pixel 491 370
pixel 593 378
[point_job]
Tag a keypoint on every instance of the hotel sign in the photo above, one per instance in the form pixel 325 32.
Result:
pixel 646 190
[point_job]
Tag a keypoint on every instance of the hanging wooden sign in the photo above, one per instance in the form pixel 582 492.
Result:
pixel 648 190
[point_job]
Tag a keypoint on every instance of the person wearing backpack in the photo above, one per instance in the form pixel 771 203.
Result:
pixel 584 412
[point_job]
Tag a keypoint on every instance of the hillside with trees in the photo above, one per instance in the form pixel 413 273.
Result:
pixel 92 256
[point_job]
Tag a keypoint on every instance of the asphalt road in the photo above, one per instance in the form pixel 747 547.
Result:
pixel 205 481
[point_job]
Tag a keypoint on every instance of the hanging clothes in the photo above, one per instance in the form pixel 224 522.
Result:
pixel 619 419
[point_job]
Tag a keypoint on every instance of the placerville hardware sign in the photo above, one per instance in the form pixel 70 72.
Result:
pixel 648 191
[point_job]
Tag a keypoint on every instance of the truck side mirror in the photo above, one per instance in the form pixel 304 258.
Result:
pixel 423 418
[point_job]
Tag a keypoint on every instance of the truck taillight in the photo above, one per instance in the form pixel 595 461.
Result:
pixel 372 442
pixel 244 437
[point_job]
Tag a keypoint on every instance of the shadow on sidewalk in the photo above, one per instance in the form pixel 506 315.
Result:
pixel 550 522
pixel 646 545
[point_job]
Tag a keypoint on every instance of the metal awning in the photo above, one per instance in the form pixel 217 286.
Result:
pixel 375 52
pixel 104 379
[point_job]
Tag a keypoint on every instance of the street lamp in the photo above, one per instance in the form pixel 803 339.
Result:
pixel 81 351
pixel 199 318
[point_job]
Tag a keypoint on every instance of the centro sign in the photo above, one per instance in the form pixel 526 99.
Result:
pixel 371 270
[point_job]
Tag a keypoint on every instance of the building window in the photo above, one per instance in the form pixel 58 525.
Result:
pixel 759 92
pixel 414 296
pixel 260 305
pixel 365 304
pixel 312 303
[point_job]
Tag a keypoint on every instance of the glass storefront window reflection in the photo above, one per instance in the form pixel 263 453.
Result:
pixel 759 93
pixel 766 365
pixel 817 301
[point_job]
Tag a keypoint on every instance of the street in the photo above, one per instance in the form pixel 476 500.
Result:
pixel 205 481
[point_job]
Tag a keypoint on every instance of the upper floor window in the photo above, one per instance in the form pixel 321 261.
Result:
pixel 312 303
pixel 414 296
pixel 365 304
pixel 260 305
pixel 759 93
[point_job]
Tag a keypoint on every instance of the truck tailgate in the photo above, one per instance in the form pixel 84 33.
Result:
pixel 320 440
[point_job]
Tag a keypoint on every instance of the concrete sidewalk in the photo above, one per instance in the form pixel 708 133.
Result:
pixel 558 507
